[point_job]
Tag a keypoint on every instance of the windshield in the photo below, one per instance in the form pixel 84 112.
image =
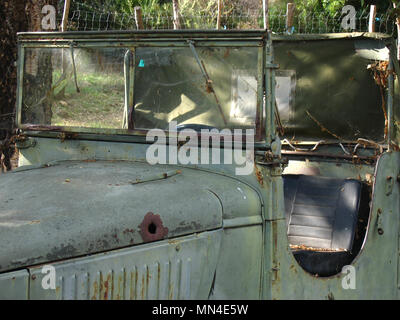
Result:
pixel 97 87
pixel 206 86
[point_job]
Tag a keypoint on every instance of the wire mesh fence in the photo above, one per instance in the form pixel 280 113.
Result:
pixel 84 18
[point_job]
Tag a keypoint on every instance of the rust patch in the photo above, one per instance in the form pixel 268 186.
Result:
pixel 142 289
pixel 305 248
pixel 67 136
pixel 95 290
pixel 120 287
pixel 127 230
pixel 151 228
pixel 226 54
pixel 107 288
pixel 259 175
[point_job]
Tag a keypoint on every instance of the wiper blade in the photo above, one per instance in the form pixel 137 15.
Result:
pixel 209 85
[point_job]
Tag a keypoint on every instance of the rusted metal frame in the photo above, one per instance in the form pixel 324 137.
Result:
pixel 269 131
pixel 390 100
pixel 100 132
pixel 129 67
pixel 74 132
pixel 189 33
pixel 327 155
pixel 105 131
pixel 138 137
pixel 20 81
pixel 331 36
pixel 260 121
pixel 269 92
pixel 132 43
pixel 131 118
pixel 262 130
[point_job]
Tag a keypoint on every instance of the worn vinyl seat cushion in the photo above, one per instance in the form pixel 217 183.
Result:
pixel 321 217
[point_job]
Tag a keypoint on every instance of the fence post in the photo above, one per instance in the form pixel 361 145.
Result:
pixel 398 33
pixel 266 14
pixel 289 16
pixel 65 15
pixel 219 14
pixel 138 18
pixel 372 16
pixel 175 6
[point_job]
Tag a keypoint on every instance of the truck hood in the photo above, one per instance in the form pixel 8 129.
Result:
pixel 74 208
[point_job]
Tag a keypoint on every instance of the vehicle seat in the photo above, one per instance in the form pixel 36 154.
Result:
pixel 321 217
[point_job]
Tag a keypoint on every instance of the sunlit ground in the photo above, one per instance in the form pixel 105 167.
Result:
pixel 99 104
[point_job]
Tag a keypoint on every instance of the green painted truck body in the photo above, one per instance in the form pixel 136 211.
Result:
pixel 85 200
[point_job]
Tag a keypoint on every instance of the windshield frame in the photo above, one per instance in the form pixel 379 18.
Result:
pixel 131 40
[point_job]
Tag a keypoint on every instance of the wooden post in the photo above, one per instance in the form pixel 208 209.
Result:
pixel 372 16
pixel 175 7
pixel 289 16
pixel 266 14
pixel 138 18
pixel 64 22
pixel 219 14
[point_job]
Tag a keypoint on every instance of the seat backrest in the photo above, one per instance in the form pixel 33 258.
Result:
pixel 321 212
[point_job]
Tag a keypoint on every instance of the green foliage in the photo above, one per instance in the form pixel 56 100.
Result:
pixel 330 7
pixel 310 15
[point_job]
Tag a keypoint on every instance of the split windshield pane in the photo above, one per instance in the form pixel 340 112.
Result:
pixel 205 86
pixel 89 95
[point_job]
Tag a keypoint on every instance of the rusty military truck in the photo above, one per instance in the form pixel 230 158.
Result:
pixel 101 202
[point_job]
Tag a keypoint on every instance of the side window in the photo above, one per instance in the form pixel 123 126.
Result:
pixel 285 93
pixel 244 93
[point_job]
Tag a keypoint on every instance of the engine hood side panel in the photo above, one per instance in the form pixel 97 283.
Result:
pixel 167 270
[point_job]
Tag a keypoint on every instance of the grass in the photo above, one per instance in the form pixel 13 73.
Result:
pixel 99 104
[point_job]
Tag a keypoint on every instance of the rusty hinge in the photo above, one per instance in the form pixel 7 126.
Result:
pixel 269 159
pixel 274 273
pixel 25 143
pixel 272 66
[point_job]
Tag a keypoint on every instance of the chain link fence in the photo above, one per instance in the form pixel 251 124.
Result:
pixel 84 18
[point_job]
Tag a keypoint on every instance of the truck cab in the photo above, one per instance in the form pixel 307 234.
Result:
pixel 203 165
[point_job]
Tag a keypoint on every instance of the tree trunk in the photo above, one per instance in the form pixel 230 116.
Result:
pixel 12 20
pixel 15 16
pixel 41 62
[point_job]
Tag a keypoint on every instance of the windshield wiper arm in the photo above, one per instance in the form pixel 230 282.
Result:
pixel 209 85
pixel 74 67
